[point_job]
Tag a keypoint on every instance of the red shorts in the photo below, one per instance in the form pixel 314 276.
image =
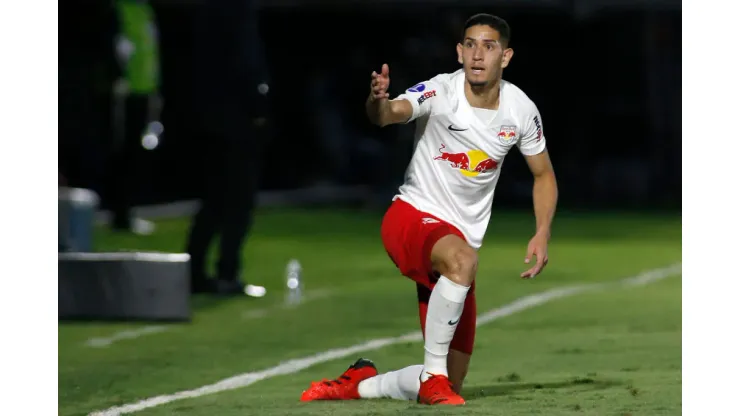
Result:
pixel 409 236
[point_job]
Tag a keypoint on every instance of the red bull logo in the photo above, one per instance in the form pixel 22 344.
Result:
pixel 471 163
pixel 507 134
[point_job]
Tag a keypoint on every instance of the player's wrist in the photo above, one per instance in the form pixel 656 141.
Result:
pixel 375 99
pixel 374 110
pixel 543 231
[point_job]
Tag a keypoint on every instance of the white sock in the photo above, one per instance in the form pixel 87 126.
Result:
pixel 443 314
pixel 401 384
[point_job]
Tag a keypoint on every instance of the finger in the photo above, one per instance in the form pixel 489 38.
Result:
pixel 537 268
pixel 379 93
pixel 532 272
pixel 381 86
pixel 542 255
pixel 385 71
pixel 374 75
pixel 529 274
pixel 530 253
pixel 542 266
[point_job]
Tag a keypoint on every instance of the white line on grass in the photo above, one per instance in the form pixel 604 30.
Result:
pixel 294 366
pixel 103 342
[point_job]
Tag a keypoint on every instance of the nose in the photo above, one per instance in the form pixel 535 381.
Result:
pixel 478 54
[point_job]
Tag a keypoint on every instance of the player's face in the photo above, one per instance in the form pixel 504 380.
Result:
pixel 482 55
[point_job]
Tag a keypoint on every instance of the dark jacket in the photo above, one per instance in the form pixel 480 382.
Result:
pixel 230 60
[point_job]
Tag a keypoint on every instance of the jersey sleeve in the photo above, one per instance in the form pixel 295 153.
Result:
pixel 532 140
pixel 422 97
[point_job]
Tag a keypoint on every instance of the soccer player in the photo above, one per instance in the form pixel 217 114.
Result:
pixel 466 123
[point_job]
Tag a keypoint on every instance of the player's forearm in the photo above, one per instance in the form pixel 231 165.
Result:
pixel 545 196
pixel 377 110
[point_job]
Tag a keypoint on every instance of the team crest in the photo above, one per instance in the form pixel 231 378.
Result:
pixel 507 134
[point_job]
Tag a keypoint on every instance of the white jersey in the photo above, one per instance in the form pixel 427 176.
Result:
pixel 458 157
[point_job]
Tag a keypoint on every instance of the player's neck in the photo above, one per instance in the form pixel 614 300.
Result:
pixel 484 96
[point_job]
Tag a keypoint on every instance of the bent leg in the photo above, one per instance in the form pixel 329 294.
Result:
pixel 437 257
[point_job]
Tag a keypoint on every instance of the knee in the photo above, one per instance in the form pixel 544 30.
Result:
pixel 461 266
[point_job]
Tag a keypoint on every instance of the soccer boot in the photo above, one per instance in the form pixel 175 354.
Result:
pixel 344 387
pixel 438 390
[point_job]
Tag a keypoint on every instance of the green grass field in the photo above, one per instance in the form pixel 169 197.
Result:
pixel 615 351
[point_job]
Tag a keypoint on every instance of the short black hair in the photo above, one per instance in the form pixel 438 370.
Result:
pixel 491 21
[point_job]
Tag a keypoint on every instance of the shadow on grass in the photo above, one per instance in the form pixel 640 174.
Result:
pixel 503 389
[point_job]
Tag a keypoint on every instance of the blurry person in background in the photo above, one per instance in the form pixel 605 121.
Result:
pixel 232 94
pixel 136 104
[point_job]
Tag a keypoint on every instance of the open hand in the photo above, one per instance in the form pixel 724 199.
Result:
pixel 537 247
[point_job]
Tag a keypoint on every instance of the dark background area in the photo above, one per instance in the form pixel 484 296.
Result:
pixel 607 82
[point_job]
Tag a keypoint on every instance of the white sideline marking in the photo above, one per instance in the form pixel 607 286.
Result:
pixel 294 366
pixel 102 342
pixel 126 256
pixel 127 334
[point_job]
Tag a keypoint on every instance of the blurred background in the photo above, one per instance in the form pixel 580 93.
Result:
pixel 605 74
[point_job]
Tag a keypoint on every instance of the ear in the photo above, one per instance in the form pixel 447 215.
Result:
pixel 459 54
pixel 508 54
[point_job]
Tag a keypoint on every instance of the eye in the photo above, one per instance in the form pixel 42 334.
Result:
pixel 489 46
